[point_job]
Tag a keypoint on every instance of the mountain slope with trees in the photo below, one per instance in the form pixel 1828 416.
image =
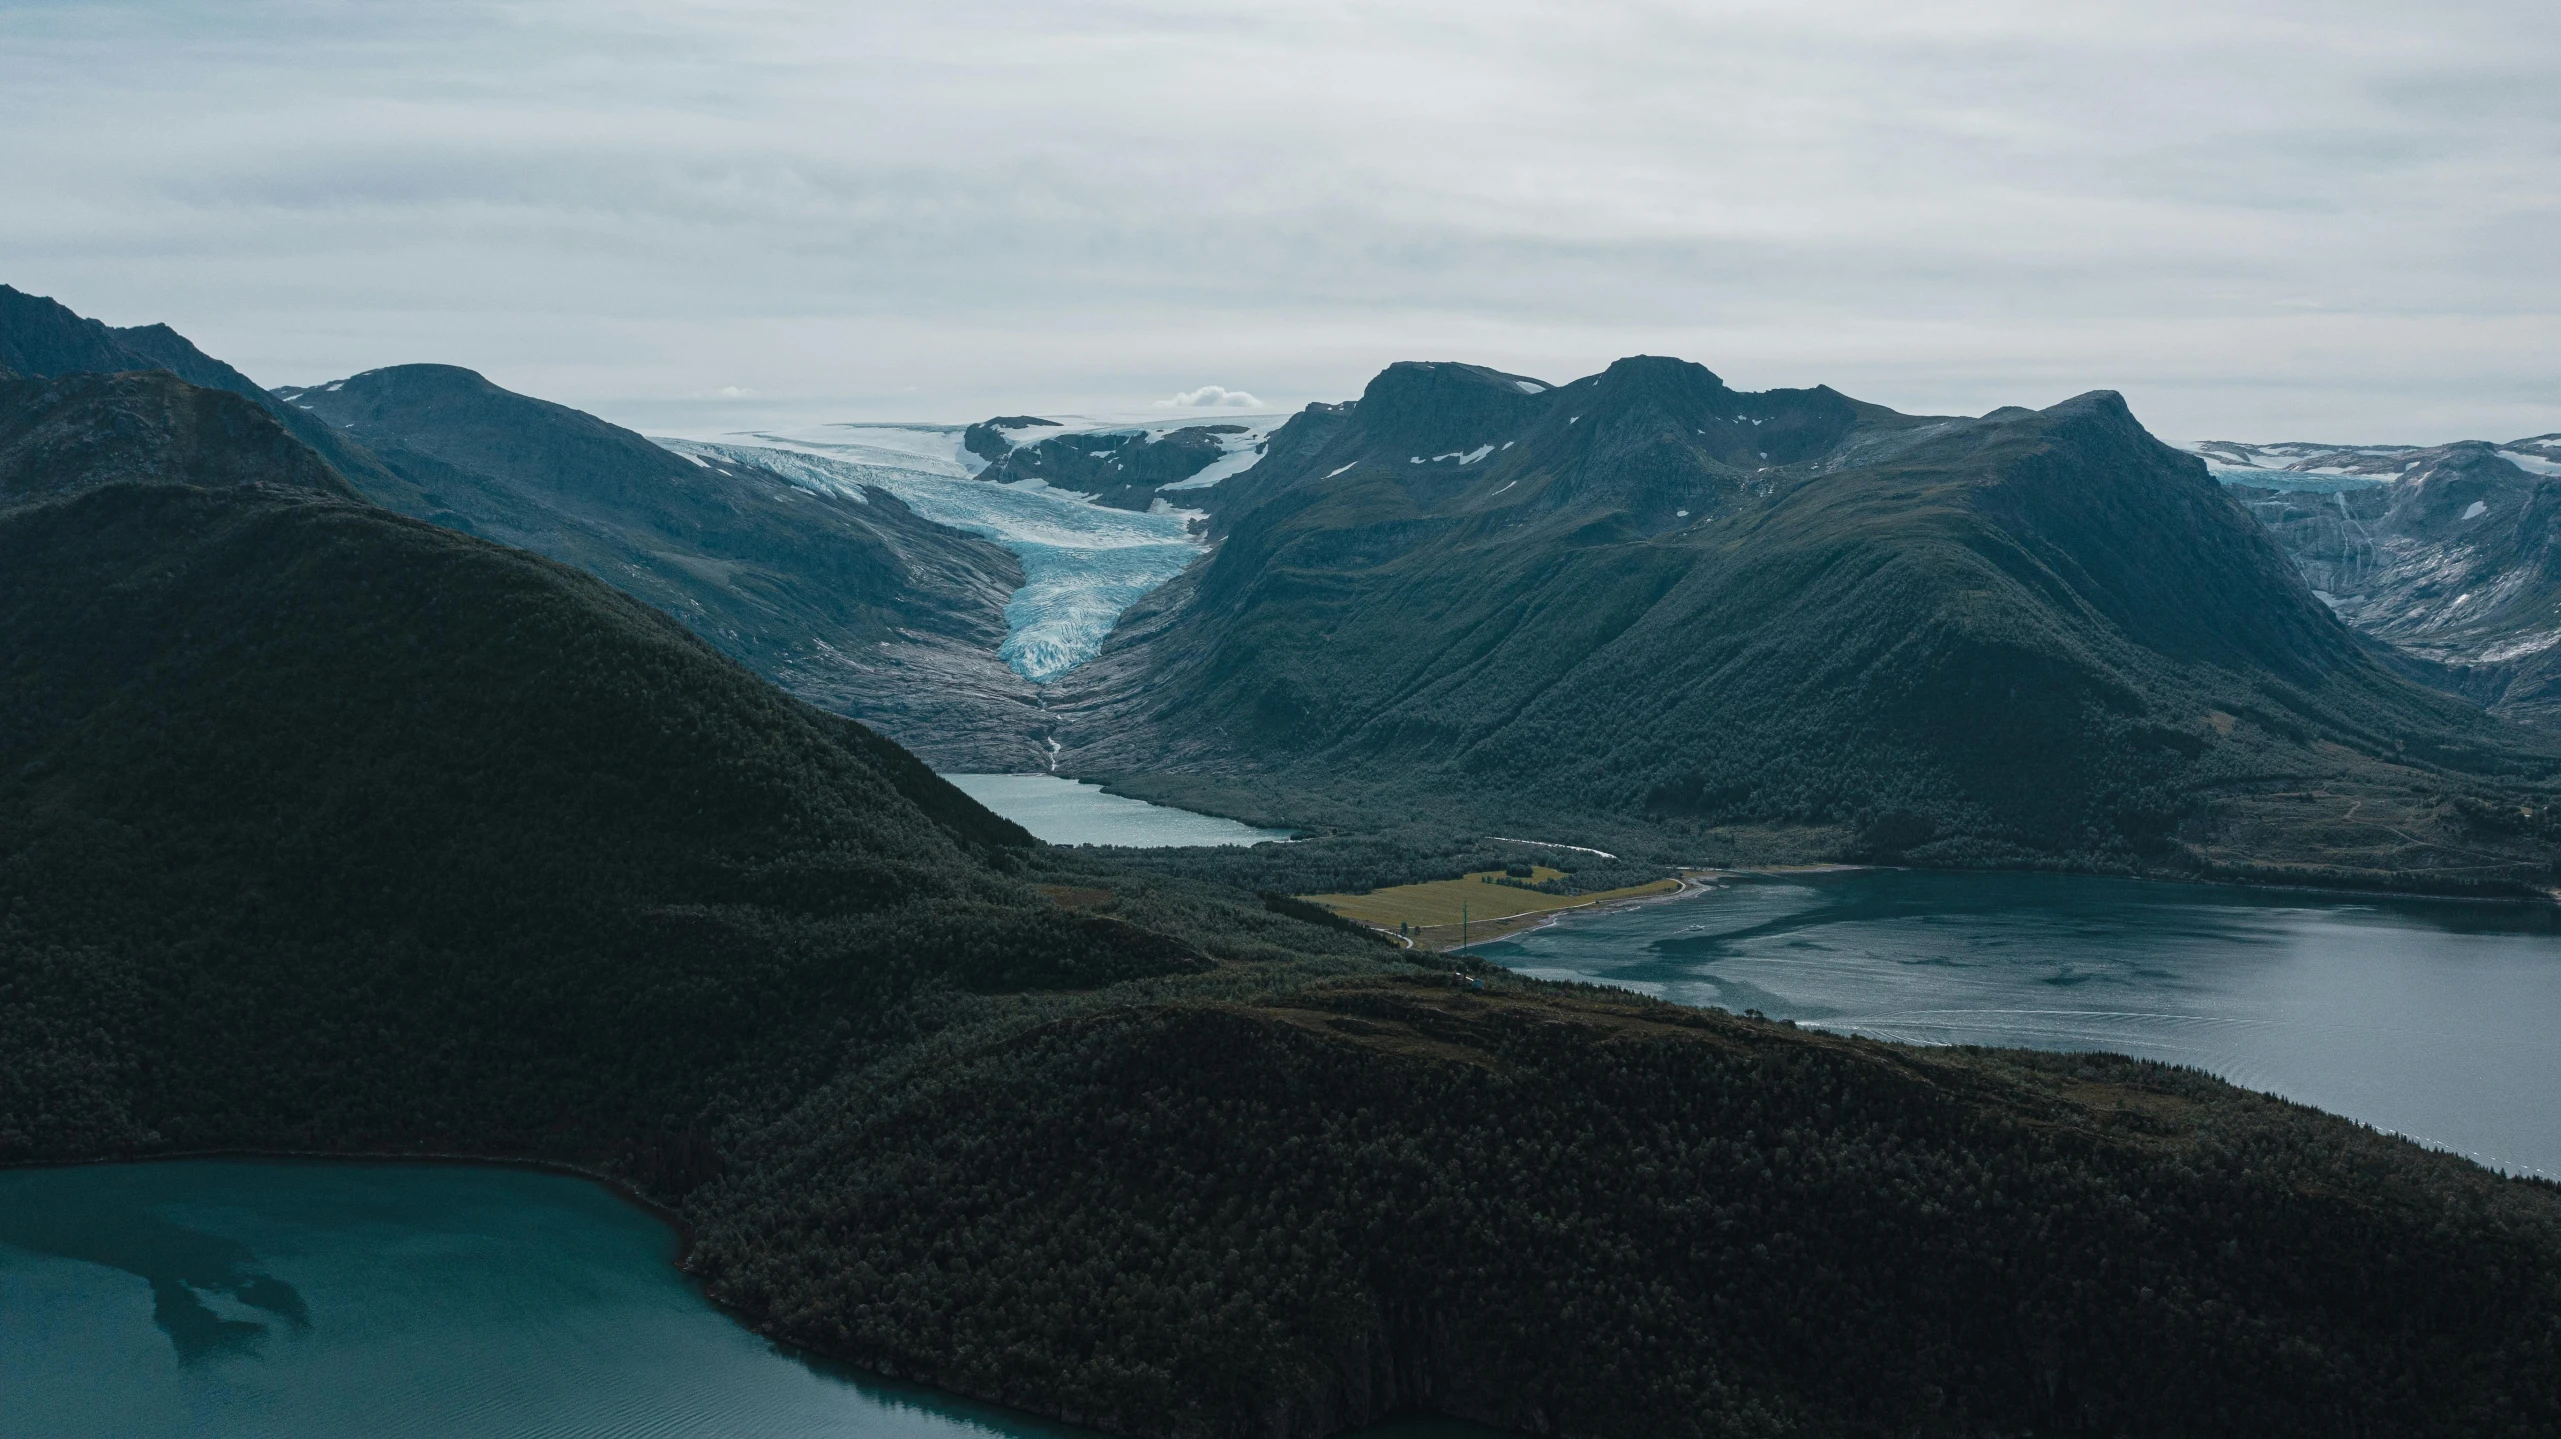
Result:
pixel 854 603
pixel 1737 626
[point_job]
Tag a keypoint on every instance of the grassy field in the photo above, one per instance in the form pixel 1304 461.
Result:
pixel 1489 908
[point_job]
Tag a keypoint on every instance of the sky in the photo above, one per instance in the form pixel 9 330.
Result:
pixel 2266 221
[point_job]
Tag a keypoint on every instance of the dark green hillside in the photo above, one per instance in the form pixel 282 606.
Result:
pixel 850 601
pixel 1792 624
pixel 40 337
pixel 437 809
pixel 1578 1215
pixel 60 437
pixel 329 830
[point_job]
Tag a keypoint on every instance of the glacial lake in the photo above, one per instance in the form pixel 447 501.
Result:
pixel 295 1300
pixel 1063 811
pixel 2437 1019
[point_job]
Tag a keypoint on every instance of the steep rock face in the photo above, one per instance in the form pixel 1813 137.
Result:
pixel 855 604
pixel 1647 601
pixel 2456 561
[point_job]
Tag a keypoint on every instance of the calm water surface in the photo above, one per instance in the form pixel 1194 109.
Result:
pixel 2436 1019
pixel 1062 811
pixel 298 1300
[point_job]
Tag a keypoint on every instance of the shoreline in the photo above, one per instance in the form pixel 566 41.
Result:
pixel 681 1262
pixel 675 1222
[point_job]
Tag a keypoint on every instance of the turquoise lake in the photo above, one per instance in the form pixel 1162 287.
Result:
pixel 1064 811
pixel 2438 1019
pixel 283 1300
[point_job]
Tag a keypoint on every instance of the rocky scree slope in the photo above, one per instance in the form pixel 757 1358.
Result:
pixel 1792 625
pixel 328 830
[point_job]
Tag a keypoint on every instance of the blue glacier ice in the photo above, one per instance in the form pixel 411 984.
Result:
pixel 1083 563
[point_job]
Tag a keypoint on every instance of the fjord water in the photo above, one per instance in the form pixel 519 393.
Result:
pixel 316 1301
pixel 1064 811
pixel 2437 1019
pixel 284 1299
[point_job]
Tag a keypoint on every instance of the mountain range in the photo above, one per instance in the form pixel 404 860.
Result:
pixel 1790 624
pixel 1695 623
pixel 327 830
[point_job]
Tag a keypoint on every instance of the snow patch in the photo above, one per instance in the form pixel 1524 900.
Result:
pixel 1529 387
pixel 1329 474
pixel 1243 454
pixel 2476 509
pixel 1472 456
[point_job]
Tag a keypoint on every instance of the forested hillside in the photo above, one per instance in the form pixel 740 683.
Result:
pixel 327 830
pixel 851 601
pixel 1782 625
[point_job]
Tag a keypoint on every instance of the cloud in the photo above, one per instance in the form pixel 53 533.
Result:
pixel 733 392
pixel 2255 217
pixel 1210 396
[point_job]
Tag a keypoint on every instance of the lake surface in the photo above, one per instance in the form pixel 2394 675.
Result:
pixel 319 1301
pixel 1063 811
pixel 2437 1019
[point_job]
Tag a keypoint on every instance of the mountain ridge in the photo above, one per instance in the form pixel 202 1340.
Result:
pixel 2024 638
pixel 851 601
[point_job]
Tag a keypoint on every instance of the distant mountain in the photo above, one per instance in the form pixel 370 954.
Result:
pixel 1790 623
pixel 330 831
pixel 845 597
pixel 1127 467
pixel 2451 553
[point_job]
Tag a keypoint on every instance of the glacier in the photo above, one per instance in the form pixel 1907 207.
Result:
pixel 1083 564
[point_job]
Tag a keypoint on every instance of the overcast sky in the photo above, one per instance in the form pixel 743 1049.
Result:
pixel 2334 220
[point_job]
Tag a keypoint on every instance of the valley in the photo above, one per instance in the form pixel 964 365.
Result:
pixel 487 797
